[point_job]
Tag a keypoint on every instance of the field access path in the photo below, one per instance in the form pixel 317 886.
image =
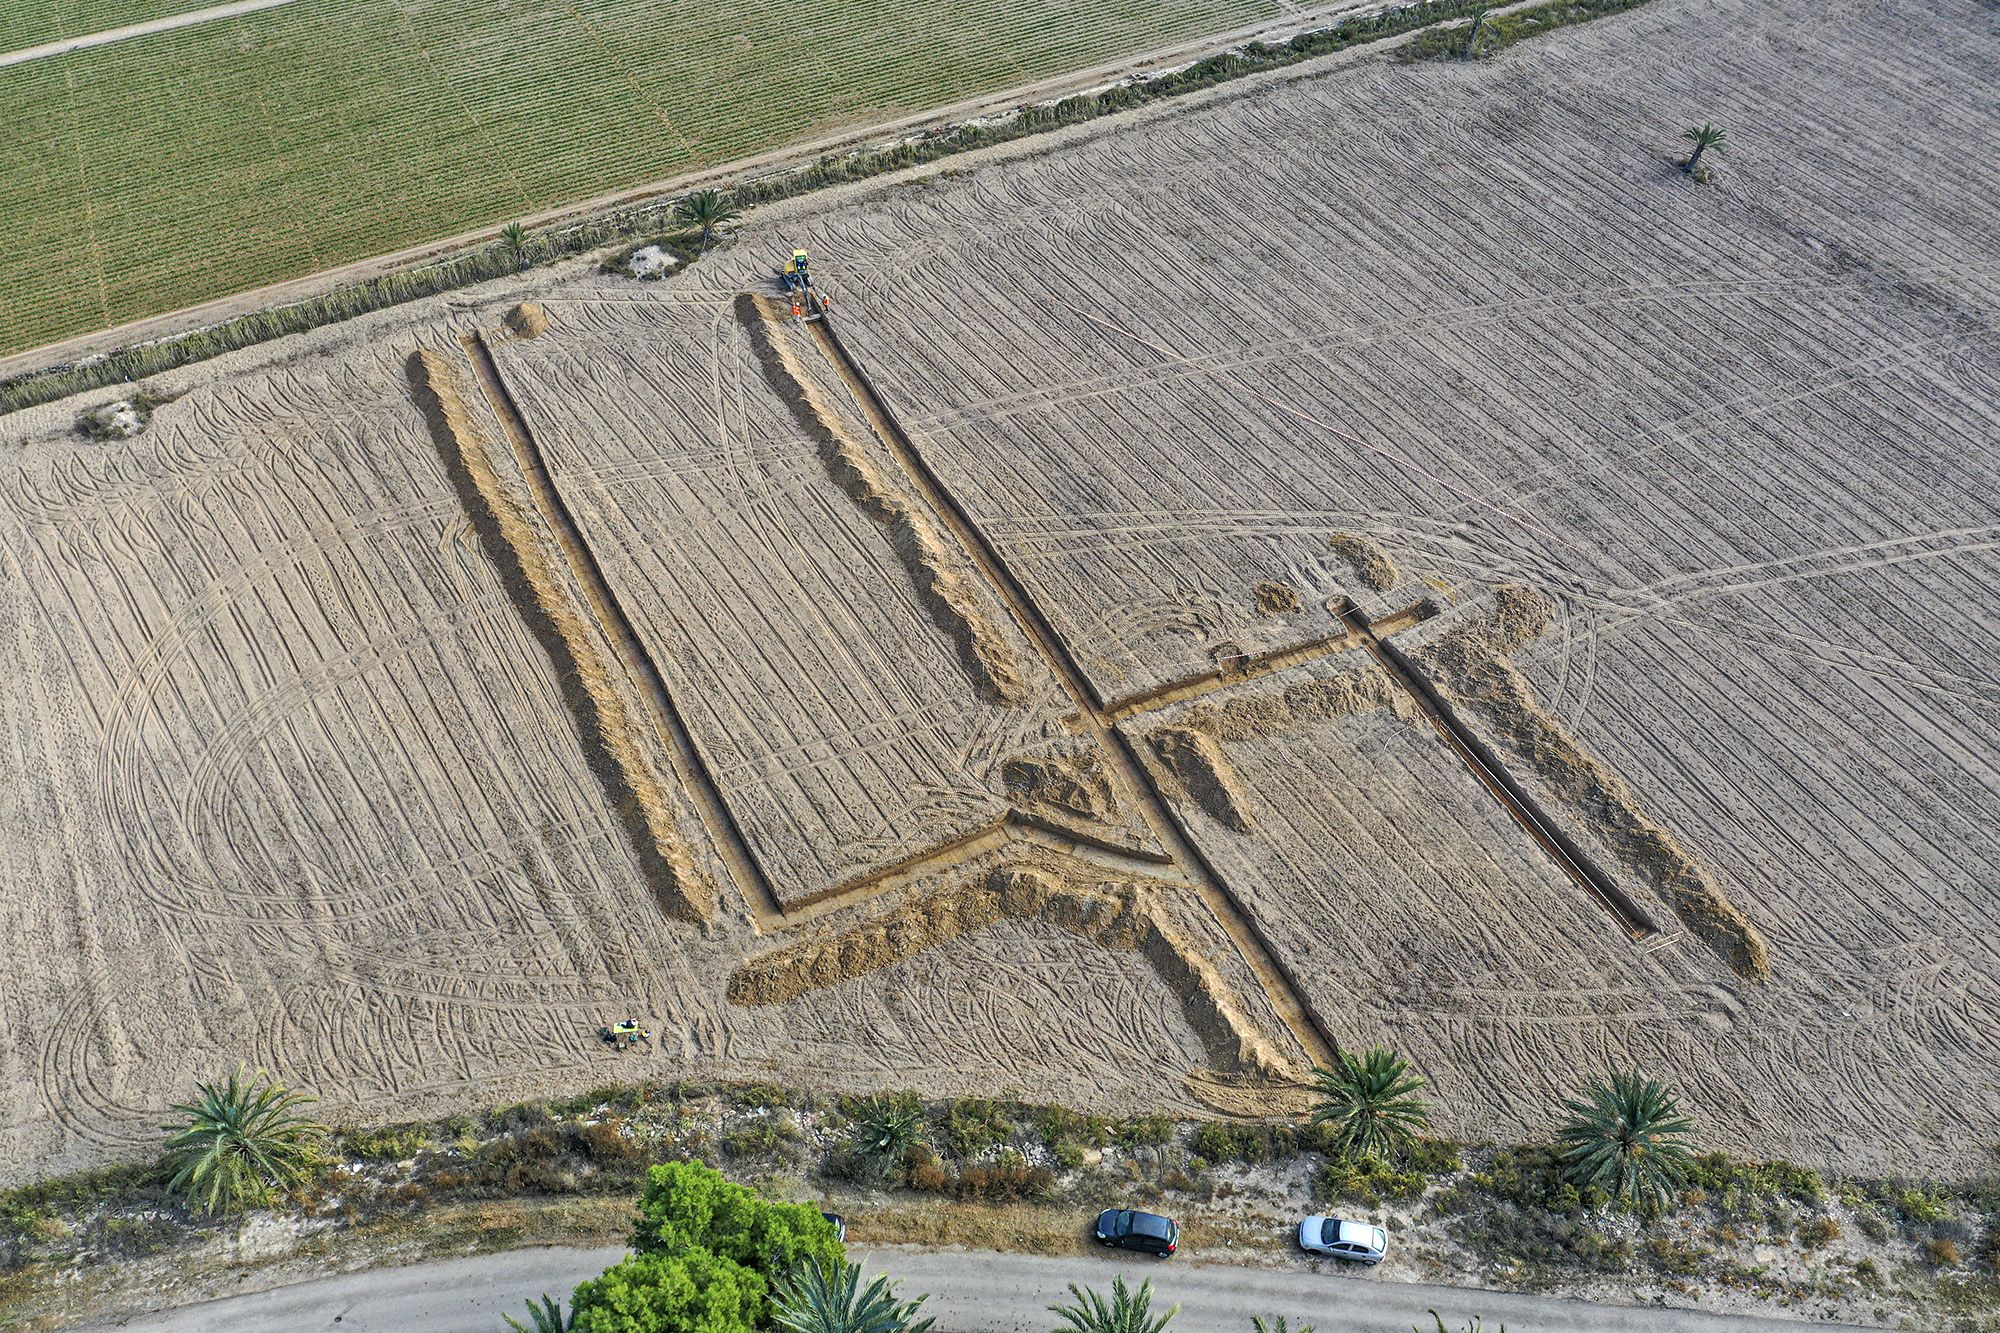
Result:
pixel 130 30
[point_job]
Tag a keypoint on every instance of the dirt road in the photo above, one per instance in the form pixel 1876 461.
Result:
pixel 977 1292
pixel 110 35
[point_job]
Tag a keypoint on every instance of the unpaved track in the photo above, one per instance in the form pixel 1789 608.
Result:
pixel 969 1292
pixel 130 30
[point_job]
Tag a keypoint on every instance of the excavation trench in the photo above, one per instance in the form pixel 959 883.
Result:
pixel 617 626
pixel 1493 775
pixel 1273 976
pixel 584 680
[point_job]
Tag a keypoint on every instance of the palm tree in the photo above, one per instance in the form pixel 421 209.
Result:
pixel 515 237
pixel 1476 1324
pixel 1372 1104
pixel 828 1297
pixel 544 1318
pixel 241 1141
pixel 1127 1311
pixel 1703 139
pixel 1629 1139
pixel 1275 1324
pixel 707 210
pixel 1472 34
pixel 886 1125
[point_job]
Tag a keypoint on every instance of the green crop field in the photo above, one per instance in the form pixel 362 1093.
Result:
pixel 154 173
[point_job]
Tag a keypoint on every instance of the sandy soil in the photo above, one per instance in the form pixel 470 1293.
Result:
pixel 415 696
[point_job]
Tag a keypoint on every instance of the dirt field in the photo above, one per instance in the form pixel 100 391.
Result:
pixel 1371 554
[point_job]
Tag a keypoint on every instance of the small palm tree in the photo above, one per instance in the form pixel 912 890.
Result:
pixel 1629 1139
pixel 828 1297
pixel 1476 1324
pixel 886 1125
pixel 241 1141
pixel 1372 1104
pixel 1705 137
pixel 1473 33
pixel 1127 1311
pixel 544 1318
pixel 515 237
pixel 1275 1324
pixel 705 211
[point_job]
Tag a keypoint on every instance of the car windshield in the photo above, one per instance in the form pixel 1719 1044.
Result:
pixel 1329 1232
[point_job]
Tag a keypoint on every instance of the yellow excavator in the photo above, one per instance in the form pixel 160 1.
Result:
pixel 808 301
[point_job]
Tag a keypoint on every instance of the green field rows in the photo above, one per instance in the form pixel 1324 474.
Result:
pixel 150 174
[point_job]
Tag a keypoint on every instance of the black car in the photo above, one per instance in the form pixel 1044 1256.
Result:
pixel 839 1224
pixel 1148 1233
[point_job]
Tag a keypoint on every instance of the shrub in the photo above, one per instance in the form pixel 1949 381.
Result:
pixel 923 1171
pixel 1818 1232
pixel 389 1143
pixel 974 1123
pixel 1531 1176
pixel 1151 1131
pixel 1367 1180
pixel 761 1096
pixel 766 1136
pixel 1921 1206
pixel 606 1143
pixel 1008 1178
pixel 1676 1256
pixel 1942 1253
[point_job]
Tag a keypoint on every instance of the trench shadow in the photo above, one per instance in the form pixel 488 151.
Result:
pixel 586 719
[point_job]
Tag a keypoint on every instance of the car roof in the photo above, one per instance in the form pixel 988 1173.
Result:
pixel 1152 1224
pixel 1360 1233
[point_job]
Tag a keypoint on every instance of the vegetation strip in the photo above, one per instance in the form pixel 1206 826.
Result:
pixel 1536 1216
pixel 632 227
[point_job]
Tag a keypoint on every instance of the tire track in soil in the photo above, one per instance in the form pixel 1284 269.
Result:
pixel 670 726
pixel 1281 988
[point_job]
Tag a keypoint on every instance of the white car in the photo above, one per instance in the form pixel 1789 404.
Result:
pixel 1356 1242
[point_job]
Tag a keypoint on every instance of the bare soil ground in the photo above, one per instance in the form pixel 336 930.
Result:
pixel 1376 554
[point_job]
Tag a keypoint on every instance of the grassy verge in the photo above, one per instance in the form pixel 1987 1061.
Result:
pixel 1014 1176
pixel 628 228
pixel 1502 31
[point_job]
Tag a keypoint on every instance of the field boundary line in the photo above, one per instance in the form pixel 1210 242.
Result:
pixel 194 17
pixel 736 173
pixel 672 728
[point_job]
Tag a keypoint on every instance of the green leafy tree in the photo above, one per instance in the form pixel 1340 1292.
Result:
pixel 1629 1139
pixel 705 211
pixel 1127 1311
pixel 544 1318
pixel 1370 1103
pixel 694 1292
pixel 241 1142
pixel 688 1206
pixel 829 1298
pixel 1473 33
pixel 515 237
pixel 1275 1324
pixel 886 1125
pixel 1704 137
